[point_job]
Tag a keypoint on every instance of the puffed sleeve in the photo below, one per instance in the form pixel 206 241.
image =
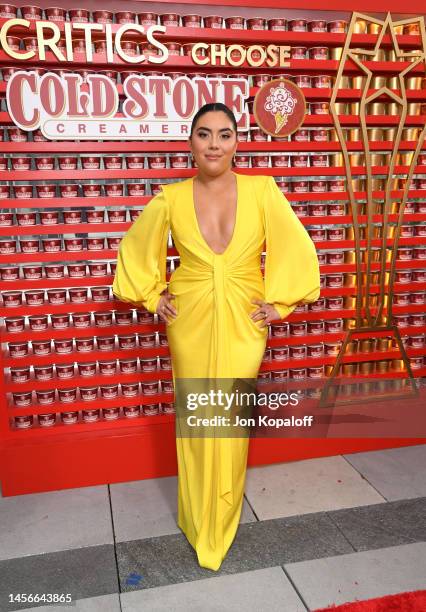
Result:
pixel 291 265
pixel 140 275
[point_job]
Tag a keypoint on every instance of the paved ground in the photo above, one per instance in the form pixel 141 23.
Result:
pixel 313 532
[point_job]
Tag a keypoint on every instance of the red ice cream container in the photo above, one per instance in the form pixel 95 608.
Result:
pixel 67 162
pixel 125 17
pixel 277 24
pixel 297 25
pixel 72 216
pixel 109 391
pixel 4 192
pixel 191 21
pixel 113 162
pixel 135 161
pixel 320 160
pixel 170 19
pixel 46 191
pixel 78 295
pixel 98 268
pixel 235 23
pixel 336 185
pixel 21 163
pixel 26 218
pixel 178 160
pixel 29 245
pixel 41 347
pixel 81 319
pixel 10 274
pixel 8 11
pixel 128 366
pixel 337 26
pixel 100 294
pixel 68 191
pixel 319 108
pixel 30 43
pixel 13 42
pixel 103 319
pixel 260 161
pixel 12 299
pixel 84 345
pixel 303 80
pixel 34 297
pixel 20 375
pixel 31 12
pixel 22 399
pixel 51 245
pixel 91 162
pixel 108 367
pixel 17 135
pixel 318 53
pixel 92 190
pixel 57 296
pixel 318 25
pixel 258 135
pixel 95 244
pixel 79 15
pixel 54 13
pixel 127 341
pixel 114 190
pixel 8 71
pixel 103 16
pixel 14 324
pixel 18 349
pixel 280 160
pixel 257 23
pixel 156 162
pixel 173 47
pixel 60 321
pixel 148 19
pixel 54 270
pixel 87 369
pixel 49 217
pixel 299 160
pixel 213 21
pixel 318 209
pixel 130 389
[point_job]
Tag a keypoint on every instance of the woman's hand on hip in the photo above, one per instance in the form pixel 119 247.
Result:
pixel 165 308
pixel 265 313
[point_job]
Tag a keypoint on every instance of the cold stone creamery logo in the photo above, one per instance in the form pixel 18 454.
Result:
pixel 154 107
pixel 279 107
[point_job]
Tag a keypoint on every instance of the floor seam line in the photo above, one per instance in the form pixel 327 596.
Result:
pixel 251 508
pixel 289 578
pixel 329 514
pixel 115 547
pixel 365 478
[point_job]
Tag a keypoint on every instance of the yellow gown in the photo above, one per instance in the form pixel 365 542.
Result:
pixel 212 335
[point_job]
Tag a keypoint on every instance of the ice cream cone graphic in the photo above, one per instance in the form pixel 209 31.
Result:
pixel 280 121
pixel 279 107
pixel 280 103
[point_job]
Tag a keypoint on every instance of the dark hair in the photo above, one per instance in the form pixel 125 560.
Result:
pixel 214 106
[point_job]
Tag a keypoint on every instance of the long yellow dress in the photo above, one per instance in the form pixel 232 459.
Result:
pixel 212 335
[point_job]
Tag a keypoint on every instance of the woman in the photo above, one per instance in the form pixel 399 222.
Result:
pixel 217 307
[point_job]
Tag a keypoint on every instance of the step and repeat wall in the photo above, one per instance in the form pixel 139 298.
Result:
pixel 74 359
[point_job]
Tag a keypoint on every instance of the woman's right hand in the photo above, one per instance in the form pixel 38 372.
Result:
pixel 165 308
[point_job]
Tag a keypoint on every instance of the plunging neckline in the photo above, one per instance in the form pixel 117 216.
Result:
pixel 235 220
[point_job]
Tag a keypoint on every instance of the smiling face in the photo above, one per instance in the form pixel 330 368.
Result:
pixel 213 143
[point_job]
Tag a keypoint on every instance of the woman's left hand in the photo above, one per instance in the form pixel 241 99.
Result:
pixel 265 313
